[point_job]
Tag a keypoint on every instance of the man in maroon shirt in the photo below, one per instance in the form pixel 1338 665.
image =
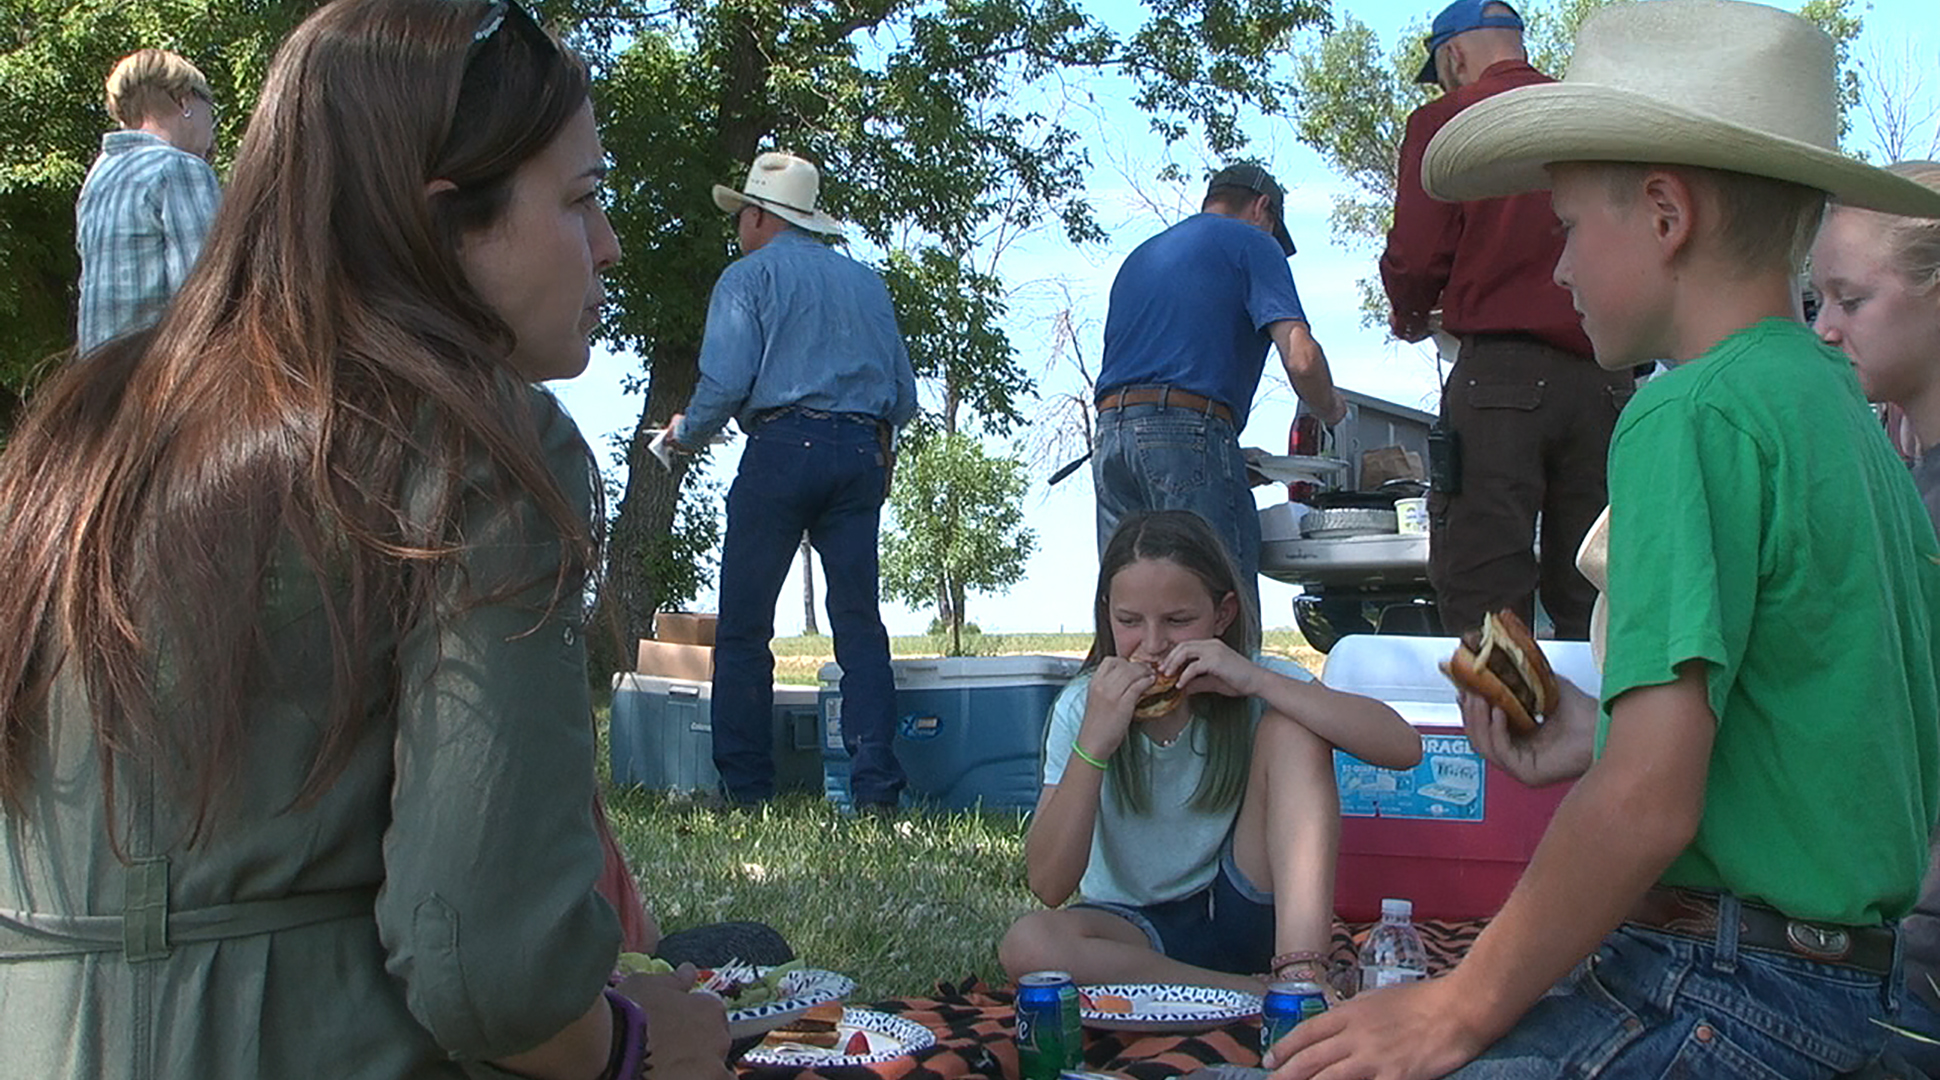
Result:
pixel 1530 409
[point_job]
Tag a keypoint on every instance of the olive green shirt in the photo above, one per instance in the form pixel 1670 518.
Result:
pixel 433 909
pixel 1761 524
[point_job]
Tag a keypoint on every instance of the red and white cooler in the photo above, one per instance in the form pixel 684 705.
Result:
pixel 1454 833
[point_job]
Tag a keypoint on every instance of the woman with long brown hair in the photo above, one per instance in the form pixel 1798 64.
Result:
pixel 295 772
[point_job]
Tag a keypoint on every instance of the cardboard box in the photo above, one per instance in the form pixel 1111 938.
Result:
pixel 1387 463
pixel 674 660
pixel 1454 833
pixel 685 627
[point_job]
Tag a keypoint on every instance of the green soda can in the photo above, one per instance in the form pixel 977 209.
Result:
pixel 1050 1034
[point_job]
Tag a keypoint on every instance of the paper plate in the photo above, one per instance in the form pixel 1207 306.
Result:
pixel 1158 1007
pixel 799 990
pixel 1293 469
pixel 890 1037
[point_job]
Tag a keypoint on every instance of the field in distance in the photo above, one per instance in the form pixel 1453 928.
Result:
pixel 798 659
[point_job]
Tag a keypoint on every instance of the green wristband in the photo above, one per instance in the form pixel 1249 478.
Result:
pixel 1101 766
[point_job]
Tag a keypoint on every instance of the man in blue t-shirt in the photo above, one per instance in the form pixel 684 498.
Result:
pixel 1193 312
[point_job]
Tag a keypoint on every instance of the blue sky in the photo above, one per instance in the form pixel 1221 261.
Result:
pixel 1055 592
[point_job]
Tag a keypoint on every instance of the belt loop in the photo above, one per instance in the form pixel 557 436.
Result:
pixel 1894 978
pixel 144 911
pixel 1730 920
pixel 1165 397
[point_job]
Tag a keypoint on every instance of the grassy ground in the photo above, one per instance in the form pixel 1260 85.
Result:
pixel 799 659
pixel 896 905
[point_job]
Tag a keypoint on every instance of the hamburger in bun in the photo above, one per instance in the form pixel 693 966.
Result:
pixel 1502 662
pixel 1159 698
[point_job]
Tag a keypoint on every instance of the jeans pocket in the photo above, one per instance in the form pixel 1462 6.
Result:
pixel 1708 1054
pixel 1523 397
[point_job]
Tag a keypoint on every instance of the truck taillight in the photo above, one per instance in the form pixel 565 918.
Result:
pixel 1304 440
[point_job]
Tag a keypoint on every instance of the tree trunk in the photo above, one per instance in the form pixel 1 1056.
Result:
pixel 808 587
pixel 646 512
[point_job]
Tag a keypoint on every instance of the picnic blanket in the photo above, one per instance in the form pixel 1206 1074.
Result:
pixel 975 1027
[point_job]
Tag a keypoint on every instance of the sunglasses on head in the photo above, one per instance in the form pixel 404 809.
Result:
pixel 513 12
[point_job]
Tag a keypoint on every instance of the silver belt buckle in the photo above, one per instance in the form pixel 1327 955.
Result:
pixel 1821 943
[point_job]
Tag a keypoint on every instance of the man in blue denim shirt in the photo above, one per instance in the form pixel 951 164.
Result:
pixel 1193 312
pixel 802 349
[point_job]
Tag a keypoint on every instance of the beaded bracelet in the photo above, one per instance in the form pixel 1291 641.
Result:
pixel 1101 766
pixel 1288 959
pixel 629 1057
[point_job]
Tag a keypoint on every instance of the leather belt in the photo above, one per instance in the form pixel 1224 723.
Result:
pixel 1689 913
pixel 1164 396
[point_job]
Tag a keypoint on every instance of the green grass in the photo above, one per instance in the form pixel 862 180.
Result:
pixel 895 905
pixel 799 659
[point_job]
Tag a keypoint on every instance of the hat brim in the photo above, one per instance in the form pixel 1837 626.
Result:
pixel 731 200
pixel 1503 145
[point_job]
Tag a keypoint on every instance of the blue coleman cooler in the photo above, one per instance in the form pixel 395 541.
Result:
pixel 662 735
pixel 969 729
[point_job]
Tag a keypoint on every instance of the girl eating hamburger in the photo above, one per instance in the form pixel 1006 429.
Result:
pixel 1189 795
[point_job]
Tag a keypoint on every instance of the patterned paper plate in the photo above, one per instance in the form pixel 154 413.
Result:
pixel 1158 1007
pixel 889 1038
pixel 799 990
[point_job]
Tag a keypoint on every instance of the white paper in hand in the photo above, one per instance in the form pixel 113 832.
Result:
pixel 661 450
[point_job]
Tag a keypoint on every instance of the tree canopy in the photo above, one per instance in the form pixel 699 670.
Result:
pixel 936 128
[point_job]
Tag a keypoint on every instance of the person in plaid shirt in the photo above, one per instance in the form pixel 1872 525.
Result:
pixel 149 198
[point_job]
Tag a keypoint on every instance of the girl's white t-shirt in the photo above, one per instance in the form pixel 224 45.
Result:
pixel 1170 851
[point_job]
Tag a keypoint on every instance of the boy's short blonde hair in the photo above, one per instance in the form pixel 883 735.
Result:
pixel 1764 225
pixel 150 83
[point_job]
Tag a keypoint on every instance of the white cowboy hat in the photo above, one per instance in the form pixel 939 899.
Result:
pixel 1717 83
pixel 783 185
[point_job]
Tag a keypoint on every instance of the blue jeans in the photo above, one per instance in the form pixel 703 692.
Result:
pixel 1649 1004
pixel 824 477
pixel 1149 457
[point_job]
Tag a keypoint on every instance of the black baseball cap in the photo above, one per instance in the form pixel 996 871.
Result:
pixel 1256 178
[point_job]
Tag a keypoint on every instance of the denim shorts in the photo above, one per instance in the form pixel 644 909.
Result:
pixel 1226 926
pixel 1650 1004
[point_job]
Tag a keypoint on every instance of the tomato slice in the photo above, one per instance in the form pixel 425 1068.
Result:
pixel 858 1044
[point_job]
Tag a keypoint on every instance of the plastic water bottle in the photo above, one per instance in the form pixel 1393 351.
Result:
pixel 1393 952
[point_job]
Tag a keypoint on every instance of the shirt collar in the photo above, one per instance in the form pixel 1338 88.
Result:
pixel 120 142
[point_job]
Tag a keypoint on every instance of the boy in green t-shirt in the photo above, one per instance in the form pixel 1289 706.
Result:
pixel 1717 895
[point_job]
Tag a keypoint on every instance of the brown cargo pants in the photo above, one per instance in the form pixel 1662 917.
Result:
pixel 1534 423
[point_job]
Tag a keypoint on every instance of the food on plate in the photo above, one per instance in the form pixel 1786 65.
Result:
pixel 1111 1003
pixel 738 985
pixel 633 963
pixel 1159 698
pixel 815 1027
pixel 858 1043
pixel 1502 662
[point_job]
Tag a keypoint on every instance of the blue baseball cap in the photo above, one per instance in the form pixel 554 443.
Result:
pixel 1459 18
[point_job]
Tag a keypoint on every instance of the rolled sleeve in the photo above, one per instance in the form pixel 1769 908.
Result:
pixel 489 913
pixel 731 350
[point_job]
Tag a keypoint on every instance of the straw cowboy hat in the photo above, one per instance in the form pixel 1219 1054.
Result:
pixel 1717 83
pixel 783 185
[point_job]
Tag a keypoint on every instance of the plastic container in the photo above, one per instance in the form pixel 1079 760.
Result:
pixel 662 735
pixel 1393 952
pixel 1454 832
pixel 969 729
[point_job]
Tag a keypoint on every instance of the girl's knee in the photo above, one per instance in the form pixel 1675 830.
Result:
pixel 1032 943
